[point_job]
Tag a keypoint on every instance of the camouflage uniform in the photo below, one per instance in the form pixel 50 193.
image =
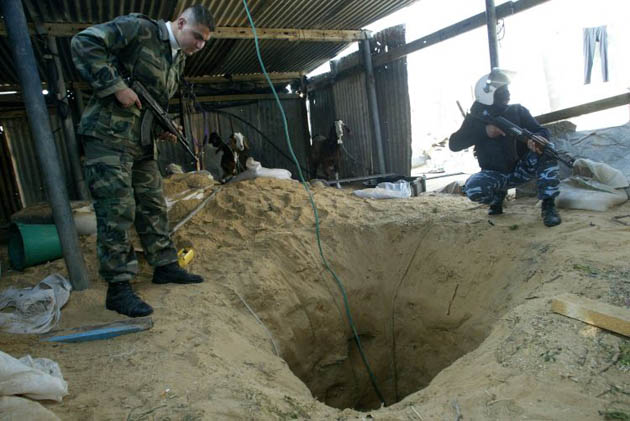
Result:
pixel 123 175
pixel 490 186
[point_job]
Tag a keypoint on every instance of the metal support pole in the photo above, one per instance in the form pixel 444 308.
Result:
pixel 491 18
pixel 67 123
pixel 26 67
pixel 373 102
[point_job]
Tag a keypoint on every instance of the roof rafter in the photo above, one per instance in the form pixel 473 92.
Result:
pixel 227 32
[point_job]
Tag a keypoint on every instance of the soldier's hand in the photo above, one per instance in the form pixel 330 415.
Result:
pixel 166 135
pixel 494 131
pixel 127 97
pixel 536 147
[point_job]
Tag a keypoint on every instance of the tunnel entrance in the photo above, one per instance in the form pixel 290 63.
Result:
pixel 416 311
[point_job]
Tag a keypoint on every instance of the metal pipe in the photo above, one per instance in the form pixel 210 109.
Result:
pixel 66 121
pixel 491 22
pixel 26 66
pixel 373 102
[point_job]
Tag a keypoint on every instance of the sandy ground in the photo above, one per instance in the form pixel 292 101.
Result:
pixel 453 311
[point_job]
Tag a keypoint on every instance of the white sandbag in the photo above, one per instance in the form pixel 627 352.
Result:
pixel 401 189
pixel 13 408
pixel 36 309
pixel 38 378
pixel 582 193
pixel 600 172
pixel 256 170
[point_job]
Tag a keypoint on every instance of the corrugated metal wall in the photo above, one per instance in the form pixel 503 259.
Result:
pixel 349 96
pixel 22 150
pixel 392 91
pixel 9 194
pixel 264 116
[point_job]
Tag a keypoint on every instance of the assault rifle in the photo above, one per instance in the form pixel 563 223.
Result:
pixel 524 135
pixel 158 112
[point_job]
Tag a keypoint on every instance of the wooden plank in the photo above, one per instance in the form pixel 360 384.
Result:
pixel 224 32
pixel 253 77
pixel 239 97
pixel 290 34
pixel 590 107
pixel 104 331
pixel 605 316
pixel 277 78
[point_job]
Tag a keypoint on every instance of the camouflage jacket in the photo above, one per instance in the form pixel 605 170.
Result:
pixel 137 47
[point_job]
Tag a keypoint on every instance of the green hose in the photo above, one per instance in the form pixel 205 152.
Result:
pixel 310 196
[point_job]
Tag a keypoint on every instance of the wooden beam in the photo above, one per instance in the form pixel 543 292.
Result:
pixel 590 107
pixel 319 35
pixel 605 316
pixel 239 97
pixel 225 32
pixel 276 78
pixel 506 9
pixel 254 77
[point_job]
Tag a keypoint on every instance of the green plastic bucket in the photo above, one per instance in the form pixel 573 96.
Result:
pixel 30 244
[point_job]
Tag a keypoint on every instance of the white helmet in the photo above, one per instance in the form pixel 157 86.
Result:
pixel 488 84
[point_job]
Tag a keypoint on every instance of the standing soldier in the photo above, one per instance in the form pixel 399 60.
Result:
pixel 122 173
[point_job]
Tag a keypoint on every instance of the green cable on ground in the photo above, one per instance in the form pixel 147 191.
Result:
pixel 312 201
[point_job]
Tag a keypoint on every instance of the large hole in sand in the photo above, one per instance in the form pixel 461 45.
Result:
pixel 421 296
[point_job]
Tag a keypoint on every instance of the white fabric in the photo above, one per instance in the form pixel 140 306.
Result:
pixel 35 310
pixel 593 186
pixel 13 408
pixel 38 378
pixel 401 189
pixel 256 170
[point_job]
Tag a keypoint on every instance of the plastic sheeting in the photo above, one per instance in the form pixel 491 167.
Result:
pixel 35 310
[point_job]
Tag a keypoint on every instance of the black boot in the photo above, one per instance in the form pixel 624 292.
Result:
pixel 121 298
pixel 495 209
pixel 549 213
pixel 173 273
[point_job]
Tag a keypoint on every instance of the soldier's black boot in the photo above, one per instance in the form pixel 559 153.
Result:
pixel 496 207
pixel 549 213
pixel 174 274
pixel 121 298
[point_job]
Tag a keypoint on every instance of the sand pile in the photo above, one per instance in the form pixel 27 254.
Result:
pixel 453 313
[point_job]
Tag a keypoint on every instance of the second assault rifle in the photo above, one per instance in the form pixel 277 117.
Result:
pixel 157 112
pixel 524 135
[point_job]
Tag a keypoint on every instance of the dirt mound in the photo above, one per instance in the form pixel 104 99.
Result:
pixel 453 314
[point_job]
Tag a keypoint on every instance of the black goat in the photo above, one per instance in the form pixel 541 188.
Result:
pixel 326 152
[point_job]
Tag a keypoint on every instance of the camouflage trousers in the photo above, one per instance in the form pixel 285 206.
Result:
pixel 127 189
pixel 490 187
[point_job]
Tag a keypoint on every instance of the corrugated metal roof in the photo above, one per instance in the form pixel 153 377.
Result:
pixel 222 56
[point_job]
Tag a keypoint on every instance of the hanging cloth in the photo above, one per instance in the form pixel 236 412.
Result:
pixel 592 36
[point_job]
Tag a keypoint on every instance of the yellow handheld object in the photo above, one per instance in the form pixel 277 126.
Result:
pixel 185 256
